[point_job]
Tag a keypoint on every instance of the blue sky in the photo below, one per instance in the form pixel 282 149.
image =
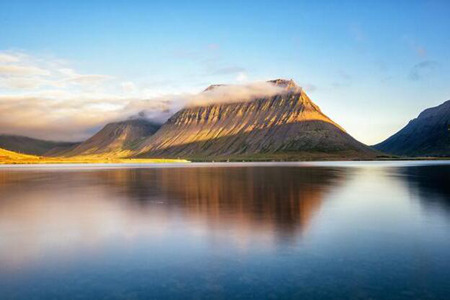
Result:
pixel 370 65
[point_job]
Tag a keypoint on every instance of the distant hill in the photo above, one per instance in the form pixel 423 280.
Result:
pixel 426 135
pixel 115 139
pixel 27 145
pixel 287 125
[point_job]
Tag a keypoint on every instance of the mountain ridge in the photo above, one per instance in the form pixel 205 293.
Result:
pixel 116 138
pixel 426 135
pixel 32 146
pixel 230 122
pixel 286 122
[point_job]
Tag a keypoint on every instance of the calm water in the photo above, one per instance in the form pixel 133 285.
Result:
pixel 212 231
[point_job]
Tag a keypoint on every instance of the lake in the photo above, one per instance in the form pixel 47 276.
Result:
pixel 338 230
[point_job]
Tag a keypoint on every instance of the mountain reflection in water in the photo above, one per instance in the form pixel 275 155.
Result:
pixel 59 210
pixel 356 230
pixel 262 199
pixel 431 183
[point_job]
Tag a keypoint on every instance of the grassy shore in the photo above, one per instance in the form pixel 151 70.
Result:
pixel 9 157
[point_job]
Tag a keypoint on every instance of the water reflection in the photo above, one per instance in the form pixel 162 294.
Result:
pixel 342 231
pixel 430 183
pixel 284 199
pixel 51 211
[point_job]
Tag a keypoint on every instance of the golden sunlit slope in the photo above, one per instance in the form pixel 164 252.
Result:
pixel 10 157
pixel 7 157
pixel 287 125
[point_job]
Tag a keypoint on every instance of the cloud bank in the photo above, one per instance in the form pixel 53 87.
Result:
pixel 159 109
pixel 234 93
pixel 47 98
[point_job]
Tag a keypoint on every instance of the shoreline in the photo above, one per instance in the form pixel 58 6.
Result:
pixel 56 161
pixel 119 161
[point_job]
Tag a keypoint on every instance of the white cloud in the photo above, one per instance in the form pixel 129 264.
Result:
pixel 67 72
pixel 21 83
pixel 20 71
pixel 8 58
pixel 58 115
pixel 91 79
pixel 241 77
pixel 234 93
pixel 14 70
pixel 48 98
pixel 128 86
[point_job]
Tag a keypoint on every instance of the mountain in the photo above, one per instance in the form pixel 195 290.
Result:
pixel 116 139
pixel 426 135
pixel 26 145
pixel 287 125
